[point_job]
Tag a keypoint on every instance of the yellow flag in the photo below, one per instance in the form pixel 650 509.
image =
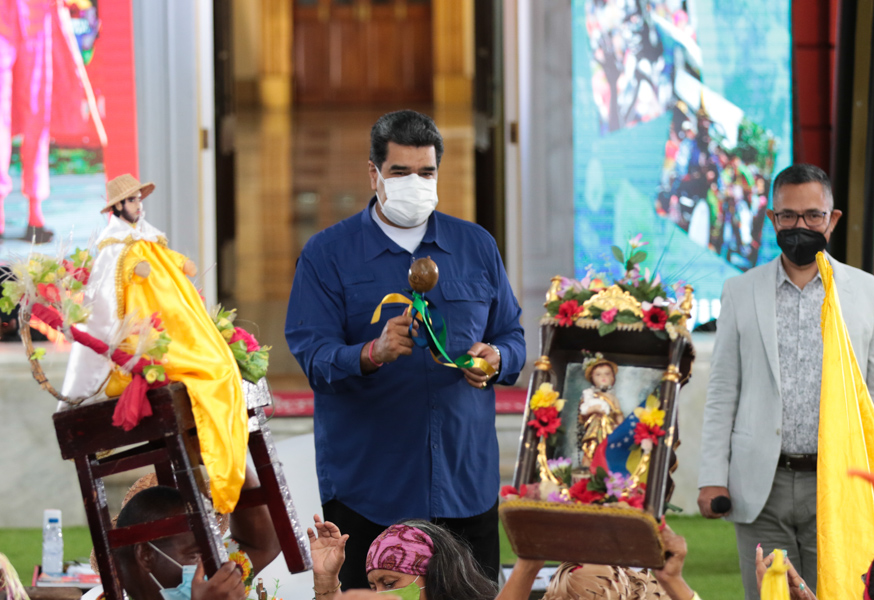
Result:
pixel 844 505
pixel 775 585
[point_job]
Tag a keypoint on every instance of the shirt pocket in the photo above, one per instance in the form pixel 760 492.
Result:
pixel 465 309
pixel 361 301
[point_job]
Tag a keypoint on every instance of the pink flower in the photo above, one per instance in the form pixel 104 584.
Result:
pixel 608 315
pixel 242 334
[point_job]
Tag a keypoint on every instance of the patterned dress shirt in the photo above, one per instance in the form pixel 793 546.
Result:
pixel 799 342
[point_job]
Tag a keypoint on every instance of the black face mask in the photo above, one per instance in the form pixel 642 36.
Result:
pixel 801 245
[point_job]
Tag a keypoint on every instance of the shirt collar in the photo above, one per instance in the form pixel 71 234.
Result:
pixel 376 241
pixel 782 277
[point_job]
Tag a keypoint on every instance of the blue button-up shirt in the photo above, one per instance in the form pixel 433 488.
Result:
pixel 412 439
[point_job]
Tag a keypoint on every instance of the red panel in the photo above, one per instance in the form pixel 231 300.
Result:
pixel 814 86
pixel 833 22
pixel 112 76
pixel 810 23
pixel 814 147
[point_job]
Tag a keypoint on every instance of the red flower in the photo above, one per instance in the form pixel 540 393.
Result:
pixel 49 292
pixel 242 334
pixel 580 493
pixel 647 432
pixel 655 318
pixel 509 490
pixel 80 274
pixel 546 421
pixel 635 500
pixel 568 313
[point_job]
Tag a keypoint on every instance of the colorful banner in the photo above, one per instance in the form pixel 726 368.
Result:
pixel 682 117
pixel 67 118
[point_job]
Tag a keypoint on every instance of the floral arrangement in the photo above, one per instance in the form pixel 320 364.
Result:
pixel 546 412
pixel 602 486
pixel 251 357
pixel 57 282
pixel 636 301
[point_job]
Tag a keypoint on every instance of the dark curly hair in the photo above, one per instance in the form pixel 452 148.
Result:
pixel 453 573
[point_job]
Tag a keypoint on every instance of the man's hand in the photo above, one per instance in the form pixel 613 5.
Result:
pixel 226 584
pixel 143 269
pixel 394 341
pixel 189 268
pixel 476 377
pixel 706 496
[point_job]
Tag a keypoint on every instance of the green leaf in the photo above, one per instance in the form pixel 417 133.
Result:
pixel 638 257
pixel 627 317
pixel 552 307
pixel 669 506
pixel 38 354
pixel 617 252
pixel 675 318
pixel 6 305
pixel 606 328
pixel 660 334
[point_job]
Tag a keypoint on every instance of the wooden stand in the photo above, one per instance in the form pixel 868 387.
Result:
pixel 168 440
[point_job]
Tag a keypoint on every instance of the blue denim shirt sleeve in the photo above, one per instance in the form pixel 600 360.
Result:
pixel 314 327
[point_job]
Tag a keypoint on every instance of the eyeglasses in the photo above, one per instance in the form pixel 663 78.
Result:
pixel 789 218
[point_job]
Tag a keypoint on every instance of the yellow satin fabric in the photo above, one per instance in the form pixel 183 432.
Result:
pixel 844 505
pixel 775 585
pixel 198 357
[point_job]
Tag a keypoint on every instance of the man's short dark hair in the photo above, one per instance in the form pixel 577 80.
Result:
pixel 803 173
pixel 405 128
pixel 151 504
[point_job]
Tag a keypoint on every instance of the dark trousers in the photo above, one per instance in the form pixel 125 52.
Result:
pixel 479 532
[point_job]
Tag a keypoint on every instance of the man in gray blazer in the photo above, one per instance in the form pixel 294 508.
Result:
pixel 761 420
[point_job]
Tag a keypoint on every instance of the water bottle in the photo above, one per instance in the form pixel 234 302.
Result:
pixel 52 543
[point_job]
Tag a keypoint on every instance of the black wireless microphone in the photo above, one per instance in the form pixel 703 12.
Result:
pixel 720 505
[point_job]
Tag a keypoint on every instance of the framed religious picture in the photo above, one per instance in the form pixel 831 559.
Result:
pixel 592 478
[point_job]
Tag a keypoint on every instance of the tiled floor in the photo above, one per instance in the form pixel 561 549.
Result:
pixel 299 172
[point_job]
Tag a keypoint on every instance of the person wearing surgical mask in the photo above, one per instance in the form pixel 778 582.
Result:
pixel 413 560
pixel 760 436
pixel 398 433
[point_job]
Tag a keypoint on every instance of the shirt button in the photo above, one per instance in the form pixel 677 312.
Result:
pixel 434 446
pixel 778 432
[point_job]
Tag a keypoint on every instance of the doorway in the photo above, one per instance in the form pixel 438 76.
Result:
pixel 353 52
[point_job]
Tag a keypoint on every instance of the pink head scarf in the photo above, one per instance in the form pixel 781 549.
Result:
pixel 401 548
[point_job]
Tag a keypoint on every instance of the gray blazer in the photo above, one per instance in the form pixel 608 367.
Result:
pixel 743 416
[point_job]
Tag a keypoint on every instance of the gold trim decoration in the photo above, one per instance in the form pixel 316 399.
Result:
pixel 686 304
pixel 545 471
pixel 543 363
pixel 552 292
pixel 595 509
pixel 119 276
pixel 672 374
pixel 613 297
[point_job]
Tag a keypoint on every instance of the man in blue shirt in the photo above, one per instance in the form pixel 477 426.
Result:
pixel 397 434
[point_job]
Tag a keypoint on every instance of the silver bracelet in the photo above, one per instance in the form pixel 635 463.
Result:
pixel 500 361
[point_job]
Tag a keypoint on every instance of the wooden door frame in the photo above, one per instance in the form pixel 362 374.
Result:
pixel 452 31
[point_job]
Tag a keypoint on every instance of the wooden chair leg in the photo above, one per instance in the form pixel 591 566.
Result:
pixel 277 496
pixel 201 518
pixel 97 512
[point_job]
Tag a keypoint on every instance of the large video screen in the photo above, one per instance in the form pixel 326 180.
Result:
pixel 67 119
pixel 682 117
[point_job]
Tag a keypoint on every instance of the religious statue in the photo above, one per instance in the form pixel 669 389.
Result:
pixel 600 412
pixel 135 275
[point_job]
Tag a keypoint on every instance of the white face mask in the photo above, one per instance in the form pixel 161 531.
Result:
pixel 410 200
